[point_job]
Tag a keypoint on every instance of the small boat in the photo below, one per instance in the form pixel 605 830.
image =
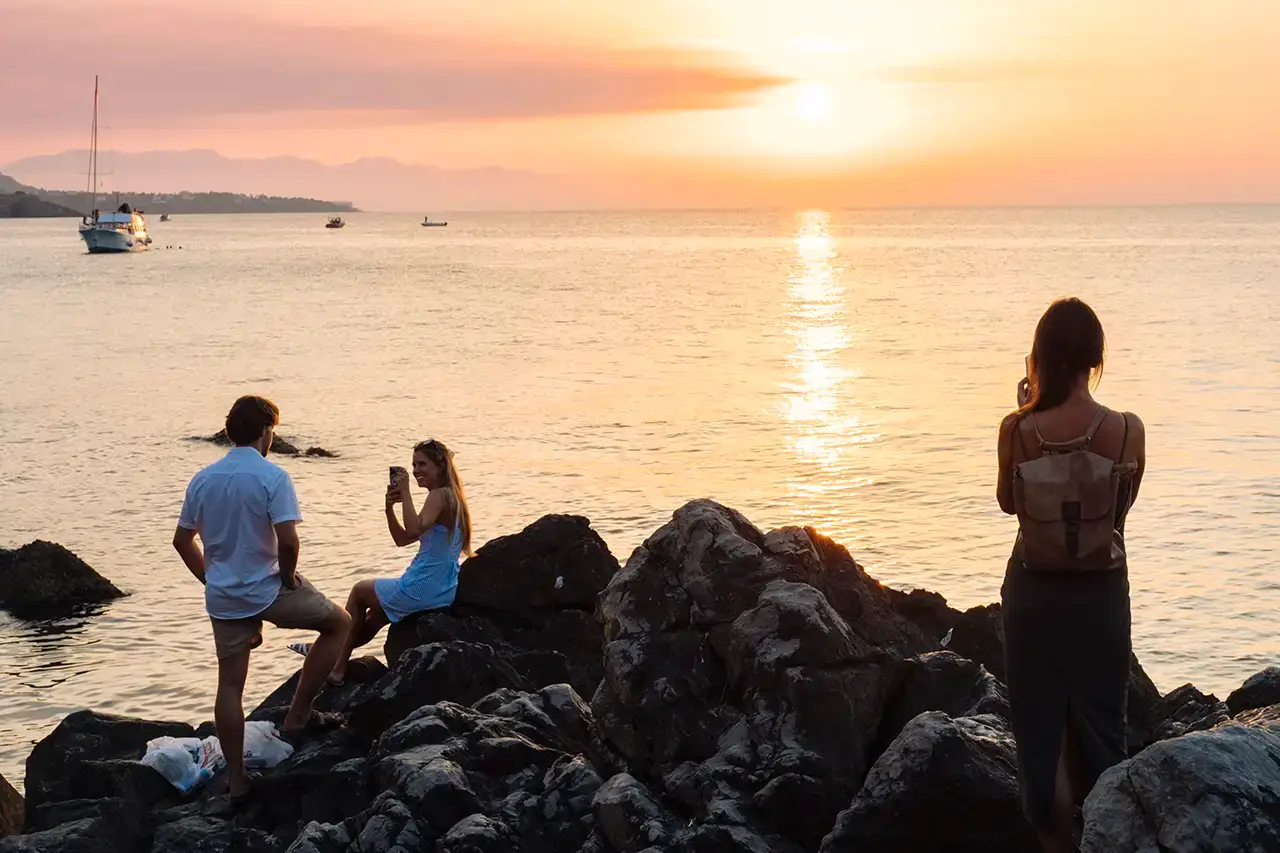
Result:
pixel 427 222
pixel 335 222
pixel 122 231
pixel 164 217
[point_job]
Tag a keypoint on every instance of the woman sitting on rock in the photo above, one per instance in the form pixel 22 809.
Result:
pixel 1070 469
pixel 442 530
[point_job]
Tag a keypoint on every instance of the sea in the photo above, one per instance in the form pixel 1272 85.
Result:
pixel 841 369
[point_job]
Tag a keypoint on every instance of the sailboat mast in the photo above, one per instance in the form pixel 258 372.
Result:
pixel 93 150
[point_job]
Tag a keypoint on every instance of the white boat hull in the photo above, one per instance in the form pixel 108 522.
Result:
pixel 110 240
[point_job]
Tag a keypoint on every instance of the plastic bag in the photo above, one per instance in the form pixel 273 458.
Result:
pixel 176 763
pixel 263 746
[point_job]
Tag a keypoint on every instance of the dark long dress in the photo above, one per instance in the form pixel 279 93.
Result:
pixel 1067 649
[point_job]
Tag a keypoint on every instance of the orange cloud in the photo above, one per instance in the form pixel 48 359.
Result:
pixel 166 66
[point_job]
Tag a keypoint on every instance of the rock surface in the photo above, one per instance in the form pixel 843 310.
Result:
pixel 45 580
pixel 944 784
pixel 752 693
pixel 11 809
pixel 279 446
pixel 532 597
pixel 1206 791
pixel 1259 690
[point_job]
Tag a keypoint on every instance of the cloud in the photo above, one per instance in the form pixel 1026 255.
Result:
pixel 165 66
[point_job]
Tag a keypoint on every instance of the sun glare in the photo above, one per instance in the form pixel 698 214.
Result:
pixel 813 103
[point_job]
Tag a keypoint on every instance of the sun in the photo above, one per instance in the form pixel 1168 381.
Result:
pixel 812 103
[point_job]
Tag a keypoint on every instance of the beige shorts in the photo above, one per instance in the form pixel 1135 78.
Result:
pixel 305 607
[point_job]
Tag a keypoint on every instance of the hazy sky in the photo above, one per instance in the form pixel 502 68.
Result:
pixel 714 101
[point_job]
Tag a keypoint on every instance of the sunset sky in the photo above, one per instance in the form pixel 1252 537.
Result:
pixel 713 102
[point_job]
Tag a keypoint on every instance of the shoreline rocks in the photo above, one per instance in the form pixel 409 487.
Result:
pixel 12 809
pixel 726 689
pixel 45 580
pixel 279 446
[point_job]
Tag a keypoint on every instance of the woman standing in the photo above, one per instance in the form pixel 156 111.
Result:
pixel 442 530
pixel 1070 468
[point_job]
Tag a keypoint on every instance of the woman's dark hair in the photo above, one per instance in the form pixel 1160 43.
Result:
pixel 1069 341
pixel 248 417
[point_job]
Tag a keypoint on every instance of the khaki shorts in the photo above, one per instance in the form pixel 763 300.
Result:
pixel 304 607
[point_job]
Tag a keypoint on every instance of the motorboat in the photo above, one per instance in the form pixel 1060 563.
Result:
pixel 125 230
pixel 428 222
pixel 335 222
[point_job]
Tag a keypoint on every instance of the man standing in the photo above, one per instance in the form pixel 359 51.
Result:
pixel 246 513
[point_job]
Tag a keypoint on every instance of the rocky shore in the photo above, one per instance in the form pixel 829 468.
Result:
pixel 724 690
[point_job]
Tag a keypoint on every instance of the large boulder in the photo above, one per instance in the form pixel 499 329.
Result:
pixel 88 766
pixel 530 595
pixel 43 579
pixel 942 681
pixel 735 658
pixel 1205 791
pixel 11 809
pixel 943 785
pixel 1259 690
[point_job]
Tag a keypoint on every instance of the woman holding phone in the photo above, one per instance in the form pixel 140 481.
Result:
pixel 1070 468
pixel 442 529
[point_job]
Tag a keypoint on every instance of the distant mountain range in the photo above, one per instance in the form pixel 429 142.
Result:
pixel 372 182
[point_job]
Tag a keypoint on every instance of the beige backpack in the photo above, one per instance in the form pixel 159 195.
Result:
pixel 1066 502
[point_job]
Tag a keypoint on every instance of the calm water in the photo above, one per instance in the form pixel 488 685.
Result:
pixel 843 370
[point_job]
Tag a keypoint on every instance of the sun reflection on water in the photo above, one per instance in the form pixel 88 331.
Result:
pixel 819 404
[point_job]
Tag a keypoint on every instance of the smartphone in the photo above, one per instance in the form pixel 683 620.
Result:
pixel 393 475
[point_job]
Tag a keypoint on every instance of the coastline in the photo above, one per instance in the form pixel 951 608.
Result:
pixel 718 685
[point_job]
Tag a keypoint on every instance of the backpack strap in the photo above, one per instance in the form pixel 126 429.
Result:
pixel 1081 443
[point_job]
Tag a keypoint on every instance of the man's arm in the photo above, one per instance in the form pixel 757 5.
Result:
pixel 184 542
pixel 287 549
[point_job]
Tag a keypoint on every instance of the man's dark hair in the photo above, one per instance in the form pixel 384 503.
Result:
pixel 248 417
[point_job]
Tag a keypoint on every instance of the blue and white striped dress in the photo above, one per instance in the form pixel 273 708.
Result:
pixel 430 582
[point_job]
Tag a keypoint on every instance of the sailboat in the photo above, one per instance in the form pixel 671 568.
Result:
pixel 122 231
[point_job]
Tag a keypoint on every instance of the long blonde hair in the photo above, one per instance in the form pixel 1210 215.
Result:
pixel 443 456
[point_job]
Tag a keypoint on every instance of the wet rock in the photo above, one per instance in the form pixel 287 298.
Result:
pixel 44 580
pixel 317 453
pixel 532 596
pixel 279 446
pixel 1258 691
pixel 11 809
pixel 92 756
pixel 1186 710
pixel 1210 790
pixel 944 784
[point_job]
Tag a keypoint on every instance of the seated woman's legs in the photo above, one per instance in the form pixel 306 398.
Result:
pixel 367 619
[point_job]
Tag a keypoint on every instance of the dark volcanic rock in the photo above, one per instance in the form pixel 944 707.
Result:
pixel 11 809
pixel 1258 691
pixel 944 784
pixel 279 445
pixel 1187 710
pixel 199 834
pixel 943 681
pixel 532 597
pixel 1207 791
pixel 458 672
pixel 92 756
pixel 733 658
pixel 43 579
pixel 317 452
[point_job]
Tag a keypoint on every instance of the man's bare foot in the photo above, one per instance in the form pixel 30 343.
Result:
pixel 240 791
pixel 316 721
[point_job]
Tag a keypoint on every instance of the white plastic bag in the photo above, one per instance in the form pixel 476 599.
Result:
pixel 176 764
pixel 263 746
